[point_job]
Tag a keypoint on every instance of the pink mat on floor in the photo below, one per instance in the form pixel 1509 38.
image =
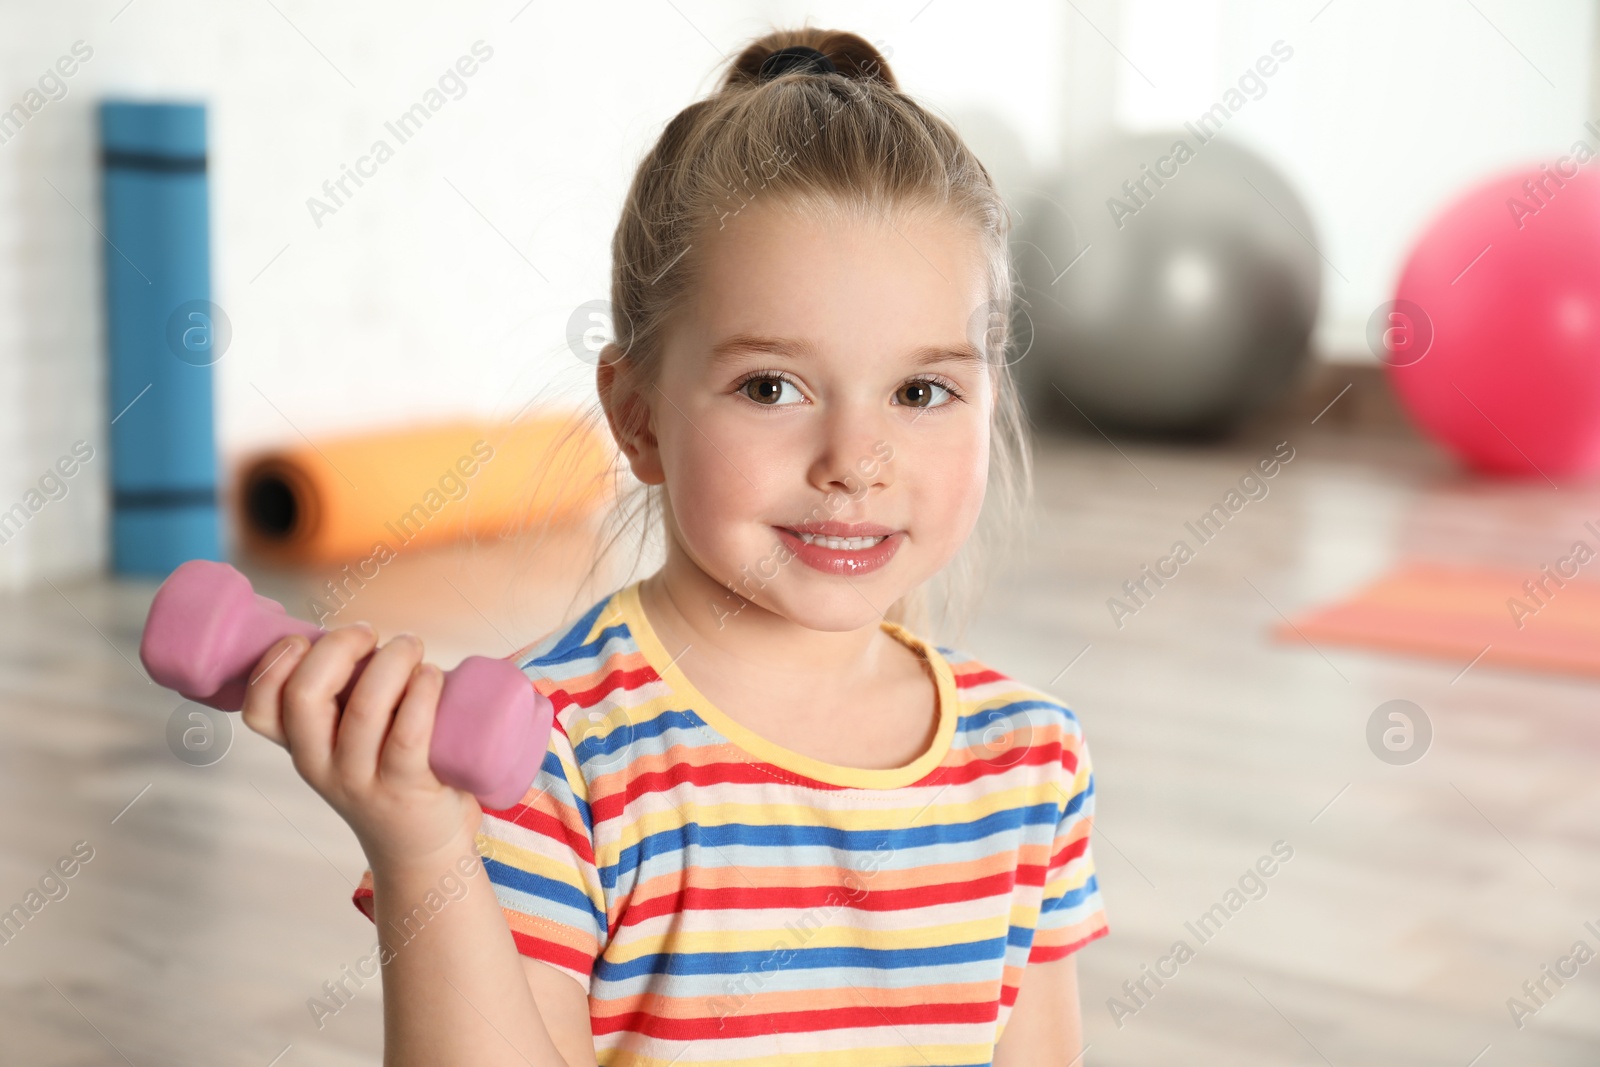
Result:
pixel 1454 613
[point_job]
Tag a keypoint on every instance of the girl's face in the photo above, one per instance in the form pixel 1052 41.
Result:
pixel 824 373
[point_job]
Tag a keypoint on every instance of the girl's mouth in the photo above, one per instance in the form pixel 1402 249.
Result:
pixel 842 556
pixel 849 544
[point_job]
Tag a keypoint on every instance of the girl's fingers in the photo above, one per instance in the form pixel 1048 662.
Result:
pixel 310 712
pixel 371 708
pixel 405 752
pixel 261 710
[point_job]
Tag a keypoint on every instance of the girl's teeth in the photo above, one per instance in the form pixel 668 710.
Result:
pixel 847 544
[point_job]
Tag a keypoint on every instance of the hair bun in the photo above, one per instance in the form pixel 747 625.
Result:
pixel 796 57
pixel 787 51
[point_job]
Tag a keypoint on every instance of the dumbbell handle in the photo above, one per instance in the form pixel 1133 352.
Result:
pixel 207 629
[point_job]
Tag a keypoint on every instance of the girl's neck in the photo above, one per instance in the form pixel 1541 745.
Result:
pixel 713 629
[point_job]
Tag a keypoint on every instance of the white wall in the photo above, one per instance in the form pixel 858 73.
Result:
pixel 409 302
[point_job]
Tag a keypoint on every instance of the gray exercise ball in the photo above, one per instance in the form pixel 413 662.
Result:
pixel 1171 284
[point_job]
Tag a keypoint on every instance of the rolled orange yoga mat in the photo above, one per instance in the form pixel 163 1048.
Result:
pixel 349 497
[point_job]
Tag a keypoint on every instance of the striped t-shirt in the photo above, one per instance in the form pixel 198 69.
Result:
pixel 724 900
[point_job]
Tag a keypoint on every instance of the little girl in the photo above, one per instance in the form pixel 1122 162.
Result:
pixel 774 825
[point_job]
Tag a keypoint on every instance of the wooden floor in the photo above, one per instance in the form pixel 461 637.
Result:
pixel 1418 900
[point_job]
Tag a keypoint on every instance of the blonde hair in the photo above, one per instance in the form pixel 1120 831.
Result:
pixel 849 141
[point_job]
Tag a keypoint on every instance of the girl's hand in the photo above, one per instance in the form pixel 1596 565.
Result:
pixel 371 762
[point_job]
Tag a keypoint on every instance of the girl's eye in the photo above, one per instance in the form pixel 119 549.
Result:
pixel 924 393
pixel 774 389
pixel 768 389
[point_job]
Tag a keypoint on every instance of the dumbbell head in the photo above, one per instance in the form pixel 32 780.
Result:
pixel 191 637
pixel 207 628
pixel 491 731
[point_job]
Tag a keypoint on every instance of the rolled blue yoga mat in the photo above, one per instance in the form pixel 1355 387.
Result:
pixel 162 335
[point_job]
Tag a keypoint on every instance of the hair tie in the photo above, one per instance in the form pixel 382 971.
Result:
pixel 797 57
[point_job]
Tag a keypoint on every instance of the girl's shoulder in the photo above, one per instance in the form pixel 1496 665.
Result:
pixel 572 664
pixel 988 690
pixel 988 694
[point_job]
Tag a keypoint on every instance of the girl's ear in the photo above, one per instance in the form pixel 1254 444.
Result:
pixel 628 415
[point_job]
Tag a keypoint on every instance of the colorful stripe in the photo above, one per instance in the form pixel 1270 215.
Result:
pixel 727 901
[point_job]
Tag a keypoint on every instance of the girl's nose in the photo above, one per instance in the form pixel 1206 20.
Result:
pixel 855 453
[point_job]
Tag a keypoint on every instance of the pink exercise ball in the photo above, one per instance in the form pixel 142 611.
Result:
pixel 1493 339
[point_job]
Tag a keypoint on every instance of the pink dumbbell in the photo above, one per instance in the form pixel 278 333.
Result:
pixel 208 629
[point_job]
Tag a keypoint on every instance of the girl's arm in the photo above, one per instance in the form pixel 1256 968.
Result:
pixel 454 991
pixel 1045 1028
pixel 564 1007
pixel 455 988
